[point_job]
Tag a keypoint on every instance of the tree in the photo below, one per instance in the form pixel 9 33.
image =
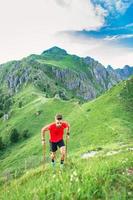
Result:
pixel 14 136
pixel 2 145
pixel 1 113
pixel 1 105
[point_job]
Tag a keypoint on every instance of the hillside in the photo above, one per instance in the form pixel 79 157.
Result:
pixel 103 125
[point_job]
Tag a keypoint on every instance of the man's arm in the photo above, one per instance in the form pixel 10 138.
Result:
pixel 68 130
pixel 44 129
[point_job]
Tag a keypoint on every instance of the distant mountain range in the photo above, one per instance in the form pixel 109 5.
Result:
pixel 57 73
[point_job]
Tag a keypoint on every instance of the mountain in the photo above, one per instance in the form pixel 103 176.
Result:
pixel 125 72
pixel 55 72
pixel 101 129
pixel 99 154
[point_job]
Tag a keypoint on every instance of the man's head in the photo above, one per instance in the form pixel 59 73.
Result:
pixel 58 119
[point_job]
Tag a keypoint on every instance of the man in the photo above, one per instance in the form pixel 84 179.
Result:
pixel 56 130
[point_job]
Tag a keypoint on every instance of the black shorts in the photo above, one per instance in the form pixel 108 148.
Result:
pixel 54 145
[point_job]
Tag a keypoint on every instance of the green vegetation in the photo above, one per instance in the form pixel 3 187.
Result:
pixel 26 134
pixel 55 72
pixel 103 125
pixel 6 101
pixel 14 136
pixel 99 178
pixel 2 145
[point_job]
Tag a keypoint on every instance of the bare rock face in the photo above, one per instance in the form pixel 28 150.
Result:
pixel 102 76
pixel 79 83
pixel 125 72
pixel 6 117
pixel 17 77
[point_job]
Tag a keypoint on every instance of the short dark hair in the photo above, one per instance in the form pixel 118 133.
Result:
pixel 58 116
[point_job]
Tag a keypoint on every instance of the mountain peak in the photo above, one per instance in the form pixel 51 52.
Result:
pixel 127 67
pixel 55 50
pixel 109 67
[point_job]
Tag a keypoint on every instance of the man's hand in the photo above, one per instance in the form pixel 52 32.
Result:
pixel 43 142
pixel 67 137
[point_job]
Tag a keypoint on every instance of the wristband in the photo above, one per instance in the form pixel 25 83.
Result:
pixel 68 133
pixel 43 139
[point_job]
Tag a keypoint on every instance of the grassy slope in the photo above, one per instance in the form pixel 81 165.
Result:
pixel 104 122
pixel 25 118
pixel 69 62
pixel 66 62
pixel 72 62
pixel 99 178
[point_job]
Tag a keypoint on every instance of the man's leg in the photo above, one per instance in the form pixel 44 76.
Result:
pixel 53 149
pixel 62 151
pixel 53 156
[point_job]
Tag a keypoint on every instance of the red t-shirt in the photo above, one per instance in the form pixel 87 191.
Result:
pixel 56 133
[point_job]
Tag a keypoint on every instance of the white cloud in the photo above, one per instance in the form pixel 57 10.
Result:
pixel 114 7
pixel 129 25
pixel 121 6
pixel 49 16
pixel 64 2
pixel 101 50
pixel 30 26
pixel 118 37
pixel 100 11
pixel 34 25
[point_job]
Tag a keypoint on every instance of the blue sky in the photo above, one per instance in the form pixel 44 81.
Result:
pixel 102 29
pixel 118 25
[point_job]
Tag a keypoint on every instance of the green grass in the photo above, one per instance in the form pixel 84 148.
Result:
pixel 74 64
pixel 99 178
pixel 25 118
pixel 104 123
pixel 68 62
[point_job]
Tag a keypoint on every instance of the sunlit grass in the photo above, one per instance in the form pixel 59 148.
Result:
pixel 103 125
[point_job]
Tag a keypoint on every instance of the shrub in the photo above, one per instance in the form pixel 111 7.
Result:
pixel 14 136
pixel 1 113
pixel 26 134
pixel 1 105
pixel 2 145
pixel 20 104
